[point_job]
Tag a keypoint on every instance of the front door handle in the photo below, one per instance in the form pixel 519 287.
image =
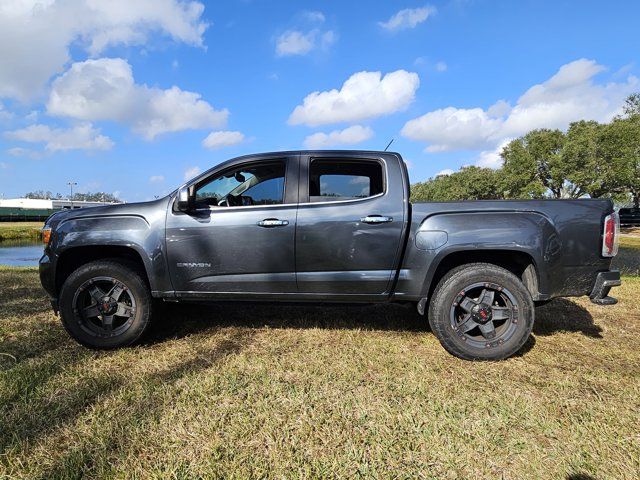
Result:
pixel 273 222
pixel 375 219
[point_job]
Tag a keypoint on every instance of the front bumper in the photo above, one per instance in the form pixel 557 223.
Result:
pixel 47 279
pixel 603 284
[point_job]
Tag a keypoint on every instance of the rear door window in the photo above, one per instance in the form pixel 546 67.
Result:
pixel 331 180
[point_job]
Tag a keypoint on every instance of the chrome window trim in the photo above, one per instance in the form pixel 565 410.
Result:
pixel 385 178
pixel 286 205
pixel 385 171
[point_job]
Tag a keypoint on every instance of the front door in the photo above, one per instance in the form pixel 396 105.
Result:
pixel 239 238
pixel 349 227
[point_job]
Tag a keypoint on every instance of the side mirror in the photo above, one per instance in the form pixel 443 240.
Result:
pixel 184 200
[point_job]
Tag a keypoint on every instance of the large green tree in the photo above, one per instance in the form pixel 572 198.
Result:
pixel 469 183
pixel 631 105
pixel 591 164
pixel 534 167
pixel 621 148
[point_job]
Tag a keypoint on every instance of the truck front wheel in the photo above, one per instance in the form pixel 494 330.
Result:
pixel 481 311
pixel 105 304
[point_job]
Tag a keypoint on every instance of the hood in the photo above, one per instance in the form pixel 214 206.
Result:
pixel 139 208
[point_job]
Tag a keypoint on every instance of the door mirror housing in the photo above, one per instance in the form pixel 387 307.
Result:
pixel 185 199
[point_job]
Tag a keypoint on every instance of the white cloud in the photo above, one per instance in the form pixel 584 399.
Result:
pixel 222 139
pixel 104 89
pixel 445 172
pixel 327 39
pixel 492 158
pixel 408 18
pixel 569 95
pixel 452 128
pixel 301 41
pixel 191 172
pixel 499 109
pixel 4 165
pixel 348 136
pixel 23 152
pixel 314 16
pixel 363 95
pixel 45 30
pixel 80 137
pixel 296 42
pixel 441 67
pixel 156 179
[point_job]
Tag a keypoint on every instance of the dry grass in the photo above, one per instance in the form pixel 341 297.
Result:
pixel 628 258
pixel 269 391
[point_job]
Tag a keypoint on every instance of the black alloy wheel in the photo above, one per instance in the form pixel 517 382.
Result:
pixel 484 313
pixel 481 311
pixel 106 304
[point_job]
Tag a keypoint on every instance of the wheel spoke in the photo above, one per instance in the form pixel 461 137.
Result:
pixel 116 291
pixel 486 297
pixel 501 313
pixel 467 324
pixel 96 293
pixel 488 330
pixel 123 310
pixel 467 304
pixel 90 311
pixel 107 322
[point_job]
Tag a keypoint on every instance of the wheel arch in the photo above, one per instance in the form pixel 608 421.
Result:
pixel 73 258
pixel 520 263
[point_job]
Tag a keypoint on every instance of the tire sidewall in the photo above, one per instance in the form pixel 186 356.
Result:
pixel 449 288
pixel 136 287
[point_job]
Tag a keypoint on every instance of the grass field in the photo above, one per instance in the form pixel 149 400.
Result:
pixel 20 230
pixel 243 391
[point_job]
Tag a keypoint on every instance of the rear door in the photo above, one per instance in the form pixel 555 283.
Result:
pixel 350 224
pixel 240 237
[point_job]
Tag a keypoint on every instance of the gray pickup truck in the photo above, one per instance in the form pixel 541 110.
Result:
pixel 328 226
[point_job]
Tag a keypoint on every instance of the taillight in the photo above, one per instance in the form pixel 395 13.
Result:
pixel 610 235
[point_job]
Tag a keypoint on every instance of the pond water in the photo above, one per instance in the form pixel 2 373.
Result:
pixel 20 253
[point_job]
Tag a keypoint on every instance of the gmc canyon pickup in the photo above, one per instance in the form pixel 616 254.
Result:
pixel 328 226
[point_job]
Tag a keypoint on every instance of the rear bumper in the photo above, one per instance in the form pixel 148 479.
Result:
pixel 603 284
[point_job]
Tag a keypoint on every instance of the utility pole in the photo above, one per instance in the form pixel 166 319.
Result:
pixel 71 184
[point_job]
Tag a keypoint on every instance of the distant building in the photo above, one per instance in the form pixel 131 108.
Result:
pixel 34 209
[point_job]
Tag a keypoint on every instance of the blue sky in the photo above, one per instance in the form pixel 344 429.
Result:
pixel 121 99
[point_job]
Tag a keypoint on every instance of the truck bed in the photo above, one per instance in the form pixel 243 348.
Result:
pixel 562 239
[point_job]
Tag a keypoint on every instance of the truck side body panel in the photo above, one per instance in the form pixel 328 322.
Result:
pixel 562 238
pixel 139 227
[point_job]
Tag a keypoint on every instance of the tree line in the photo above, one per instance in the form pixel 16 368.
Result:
pixel 589 159
pixel 77 197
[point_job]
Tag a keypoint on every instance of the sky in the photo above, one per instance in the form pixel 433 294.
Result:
pixel 135 97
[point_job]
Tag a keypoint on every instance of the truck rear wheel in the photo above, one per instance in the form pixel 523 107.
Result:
pixel 481 311
pixel 105 304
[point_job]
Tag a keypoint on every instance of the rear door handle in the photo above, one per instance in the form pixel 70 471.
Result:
pixel 375 219
pixel 273 222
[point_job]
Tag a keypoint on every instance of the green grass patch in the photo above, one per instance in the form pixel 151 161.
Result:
pixel 20 230
pixel 245 391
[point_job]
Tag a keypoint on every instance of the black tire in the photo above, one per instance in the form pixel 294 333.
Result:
pixel 129 317
pixel 464 324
